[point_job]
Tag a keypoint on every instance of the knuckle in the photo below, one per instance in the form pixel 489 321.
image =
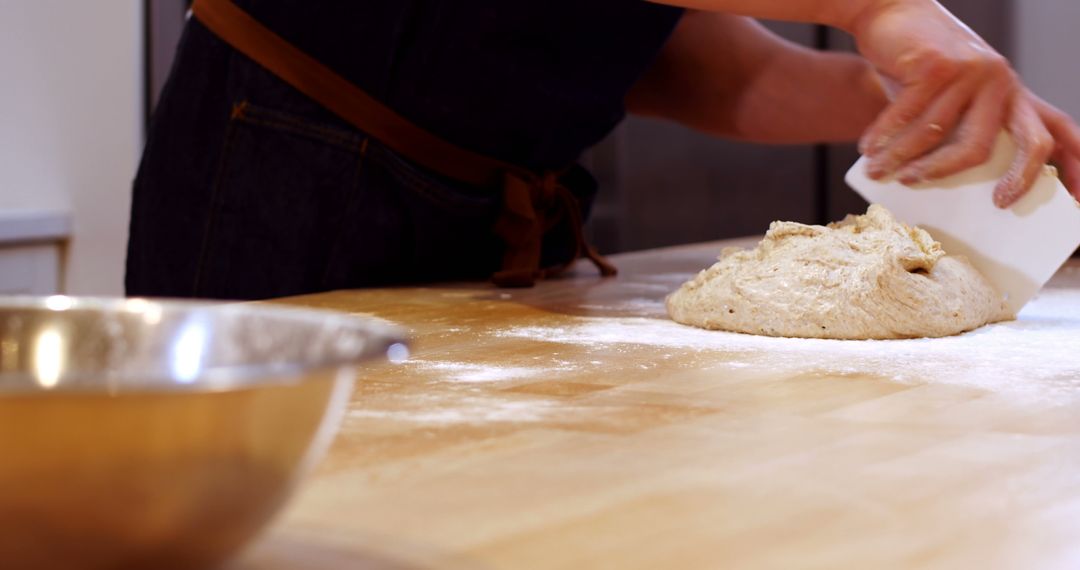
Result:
pixel 981 150
pixel 903 153
pixel 1011 79
pixel 933 134
pixel 975 153
pixel 1042 146
pixel 998 65
pixel 941 69
pixel 904 116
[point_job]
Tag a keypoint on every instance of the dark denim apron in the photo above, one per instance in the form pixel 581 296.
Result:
pixel 248 189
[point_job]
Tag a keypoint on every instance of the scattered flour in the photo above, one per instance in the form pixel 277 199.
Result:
pixel 1035 357
pixel 467 372
pixel 458 410
pixel 637 305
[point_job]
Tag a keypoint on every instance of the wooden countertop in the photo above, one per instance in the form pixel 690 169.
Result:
pixel 573 426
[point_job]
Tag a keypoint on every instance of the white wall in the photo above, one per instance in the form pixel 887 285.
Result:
pixel 71 123
pixel 1048 50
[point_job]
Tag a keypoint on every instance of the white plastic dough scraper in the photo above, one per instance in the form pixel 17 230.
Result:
pixel 1018 249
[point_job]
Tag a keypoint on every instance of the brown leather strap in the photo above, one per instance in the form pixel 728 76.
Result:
pixel 531 208
pixel 532 204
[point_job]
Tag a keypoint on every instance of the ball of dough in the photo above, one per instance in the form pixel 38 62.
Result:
pixel 866 277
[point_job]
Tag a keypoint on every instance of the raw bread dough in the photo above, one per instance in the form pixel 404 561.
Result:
pixel 866 277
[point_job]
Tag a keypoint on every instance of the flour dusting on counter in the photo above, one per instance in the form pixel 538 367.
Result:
pixel 639 305
pixel 1034 357
pixel 471 372
pixel 454 409
pixel 468 372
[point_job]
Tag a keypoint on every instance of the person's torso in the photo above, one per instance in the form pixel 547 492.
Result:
pixel 529 81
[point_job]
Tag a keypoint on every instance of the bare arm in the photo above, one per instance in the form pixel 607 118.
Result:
pixel 729 76
pixel 842 14
pixel 955 92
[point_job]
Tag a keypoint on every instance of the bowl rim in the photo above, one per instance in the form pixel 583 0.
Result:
pixel 382 336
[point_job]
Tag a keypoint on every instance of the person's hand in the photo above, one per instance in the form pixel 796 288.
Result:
pixel 955 94
pixel 1066 149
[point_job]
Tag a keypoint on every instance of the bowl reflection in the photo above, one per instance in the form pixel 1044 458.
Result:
pixel 144 434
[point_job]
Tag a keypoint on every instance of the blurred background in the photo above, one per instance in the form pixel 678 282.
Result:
pixel 81 79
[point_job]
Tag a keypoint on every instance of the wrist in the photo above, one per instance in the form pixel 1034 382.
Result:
pixel 854 17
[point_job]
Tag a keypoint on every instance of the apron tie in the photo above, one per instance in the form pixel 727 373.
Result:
pixel 532 206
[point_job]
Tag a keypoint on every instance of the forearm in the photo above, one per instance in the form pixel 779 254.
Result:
pixel 954 93
pixel 729 76
pixel 842 14
pixel 809 97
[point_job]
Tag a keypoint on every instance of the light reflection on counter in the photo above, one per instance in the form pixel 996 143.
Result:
pixel 48 357
pixel 397 353
pixel 59 303
pixel 151 312
pixel 187 353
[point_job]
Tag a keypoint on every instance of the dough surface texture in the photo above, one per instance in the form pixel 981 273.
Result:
pixel 866 277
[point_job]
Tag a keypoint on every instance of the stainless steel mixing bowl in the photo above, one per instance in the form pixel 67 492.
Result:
pixel 145 434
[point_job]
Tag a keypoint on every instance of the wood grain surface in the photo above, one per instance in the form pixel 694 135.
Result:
pixel 513 439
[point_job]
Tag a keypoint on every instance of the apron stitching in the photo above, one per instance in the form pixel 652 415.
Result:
pixel 268 118
pixel 337 244
pixel 216 202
